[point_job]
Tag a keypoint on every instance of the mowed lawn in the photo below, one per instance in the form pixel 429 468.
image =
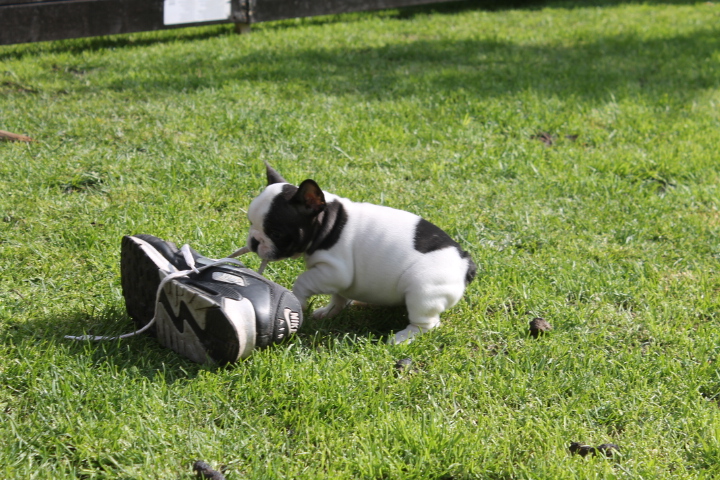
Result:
pixel 570 147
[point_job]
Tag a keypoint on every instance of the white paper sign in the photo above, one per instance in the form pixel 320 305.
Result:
pixel 176 12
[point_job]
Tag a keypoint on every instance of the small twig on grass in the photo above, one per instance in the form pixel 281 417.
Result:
pixel 14 137
pixel 18 293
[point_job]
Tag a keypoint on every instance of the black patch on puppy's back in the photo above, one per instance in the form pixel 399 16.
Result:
pixel 430 237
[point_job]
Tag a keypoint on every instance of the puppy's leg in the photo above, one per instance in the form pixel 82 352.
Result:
pixel 321 280
pixel 337 303
pixel 423 325
pixel 424 313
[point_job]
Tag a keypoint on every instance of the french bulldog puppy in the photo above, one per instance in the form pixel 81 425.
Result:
pixel 359 251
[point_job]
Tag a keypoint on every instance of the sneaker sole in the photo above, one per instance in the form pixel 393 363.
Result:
pixel 188 321
pixel 196 326
pixel 141 271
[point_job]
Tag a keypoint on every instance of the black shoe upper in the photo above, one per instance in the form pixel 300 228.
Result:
pixel 278 313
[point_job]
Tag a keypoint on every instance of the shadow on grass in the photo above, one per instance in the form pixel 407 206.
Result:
pixel 144 356
pixel 139 39
pixel 112 42
pixel 354 322
pixel 621 66
pixel 598 68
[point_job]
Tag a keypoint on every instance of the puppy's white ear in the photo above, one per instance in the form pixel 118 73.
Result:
pixel 273 176
pixel 309 199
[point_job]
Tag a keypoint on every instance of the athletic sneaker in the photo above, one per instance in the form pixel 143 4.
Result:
pixel 207 310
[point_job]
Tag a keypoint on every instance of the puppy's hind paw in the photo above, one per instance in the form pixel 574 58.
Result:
pixel 405 336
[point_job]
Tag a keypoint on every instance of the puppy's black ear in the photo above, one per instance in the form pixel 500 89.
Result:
pixel 273 176
pixel 309 199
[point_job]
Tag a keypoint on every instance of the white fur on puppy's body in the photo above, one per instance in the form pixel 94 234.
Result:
pixel 374 261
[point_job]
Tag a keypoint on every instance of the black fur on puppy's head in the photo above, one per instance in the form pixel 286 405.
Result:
pixel 292 218
pixel 284 218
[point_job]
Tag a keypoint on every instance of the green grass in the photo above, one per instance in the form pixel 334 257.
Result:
pixel 610 233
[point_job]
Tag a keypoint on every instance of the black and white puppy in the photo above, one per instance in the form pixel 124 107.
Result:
pixel 359 251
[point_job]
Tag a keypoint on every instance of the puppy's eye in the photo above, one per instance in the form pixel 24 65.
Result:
pixel 275 233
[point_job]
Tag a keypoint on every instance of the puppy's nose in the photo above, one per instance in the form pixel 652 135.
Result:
pixel 254 244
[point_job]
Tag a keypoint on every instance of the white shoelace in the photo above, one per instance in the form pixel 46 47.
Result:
pixel 190 260
pixel 245 250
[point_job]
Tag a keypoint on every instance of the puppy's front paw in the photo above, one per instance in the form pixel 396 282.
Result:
pixel 337 303
pixel 321 313
pixel 405 336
